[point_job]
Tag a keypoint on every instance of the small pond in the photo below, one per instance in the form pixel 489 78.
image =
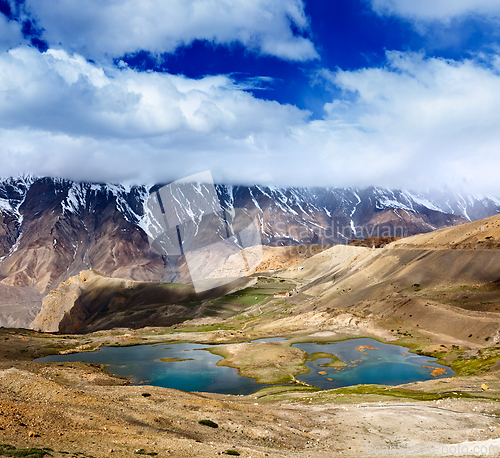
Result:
pixel 191 367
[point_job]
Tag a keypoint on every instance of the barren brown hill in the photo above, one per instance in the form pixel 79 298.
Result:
pixel 279 258
pixel 374 242
pixel 445 282
pixel 482 234
pixel 18 306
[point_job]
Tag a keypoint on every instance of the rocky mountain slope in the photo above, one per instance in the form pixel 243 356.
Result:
pixel 18 306
pixel 422 281
pixel 445 282
pixel 51 229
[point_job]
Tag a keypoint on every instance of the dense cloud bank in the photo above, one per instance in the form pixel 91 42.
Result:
pixel 76 111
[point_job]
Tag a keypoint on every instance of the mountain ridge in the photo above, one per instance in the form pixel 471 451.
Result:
pixel 53 228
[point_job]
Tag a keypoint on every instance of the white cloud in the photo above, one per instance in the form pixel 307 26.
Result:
pixel 99 29
pixel 426 120
pixel 441 10
pixel 63 115
pixel 417 122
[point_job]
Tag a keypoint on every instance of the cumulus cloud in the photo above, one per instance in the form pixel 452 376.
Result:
pixel 63 115
pixel 416 122
pixel 427 120
pixel 99 29
pixel 441 10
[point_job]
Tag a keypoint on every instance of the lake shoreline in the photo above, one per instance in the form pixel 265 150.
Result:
pixel 266 361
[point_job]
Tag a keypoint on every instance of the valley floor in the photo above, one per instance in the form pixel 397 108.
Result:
pixel 436 301
pixel 79 410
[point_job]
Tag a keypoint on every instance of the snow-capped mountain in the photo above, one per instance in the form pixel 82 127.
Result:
pixel 51 229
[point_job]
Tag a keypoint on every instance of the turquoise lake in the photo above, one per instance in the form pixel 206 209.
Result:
pixel 369 362
pixel 377 363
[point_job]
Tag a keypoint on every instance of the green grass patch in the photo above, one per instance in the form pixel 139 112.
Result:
pixel 284 389
pixel 141 451
pixel 210 423
pixel 422 396
pixel 459 363
pixel 368 393
pixel 383 391
pixel 359 389
pixel 9 450
pixel 244 297
pixel 474 366
pixel 207 328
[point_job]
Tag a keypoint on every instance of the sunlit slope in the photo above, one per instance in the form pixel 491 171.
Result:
pixel 324 264
pixel 292 257
pixel 482 234
pixel 446 282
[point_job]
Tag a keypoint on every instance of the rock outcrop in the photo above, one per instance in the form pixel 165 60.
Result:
pixel 89 301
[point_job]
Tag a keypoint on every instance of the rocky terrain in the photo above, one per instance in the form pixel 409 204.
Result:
pixel 18 306
pixel 51 229
pixel 78 410
pixel 435 293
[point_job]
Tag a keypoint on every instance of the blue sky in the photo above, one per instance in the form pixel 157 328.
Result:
pixel 393 93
